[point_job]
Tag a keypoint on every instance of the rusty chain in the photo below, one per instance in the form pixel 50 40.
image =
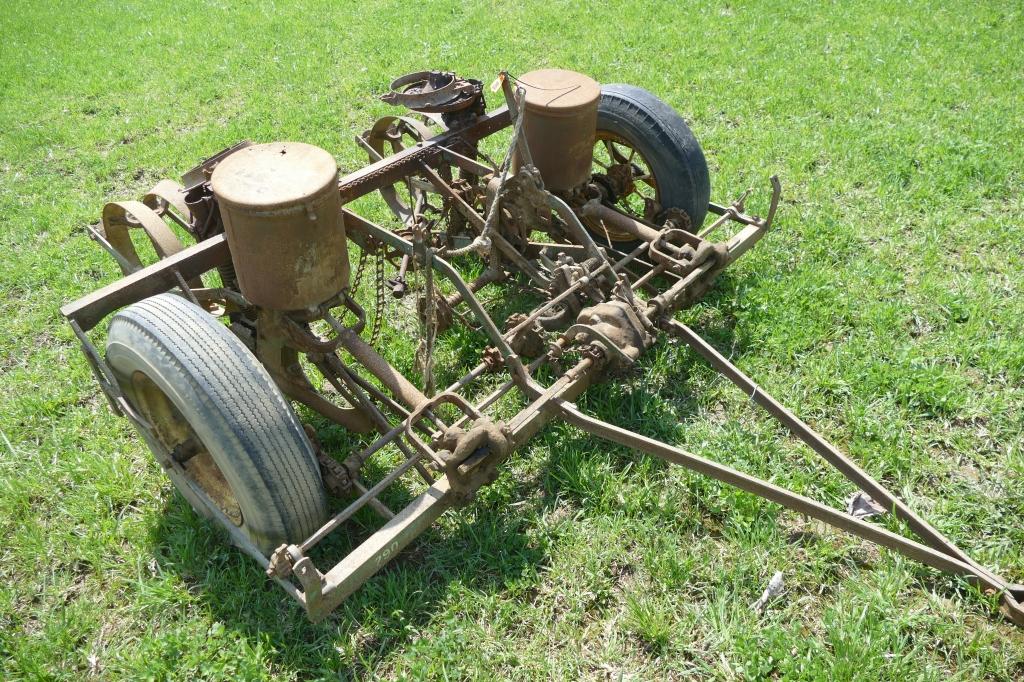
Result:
pixel 378 315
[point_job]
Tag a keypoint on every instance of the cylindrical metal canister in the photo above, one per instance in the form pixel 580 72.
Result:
pixel 560 121
pixel 282 216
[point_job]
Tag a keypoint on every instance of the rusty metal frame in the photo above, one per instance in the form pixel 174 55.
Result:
pixel 687 263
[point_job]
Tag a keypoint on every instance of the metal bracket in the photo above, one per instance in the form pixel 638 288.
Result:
pixel 311 579
pixel 448 398
pixel 599 339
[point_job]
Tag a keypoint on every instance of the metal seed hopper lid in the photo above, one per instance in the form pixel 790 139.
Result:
pixel 277 175
pixel 558 90
pixel 433 92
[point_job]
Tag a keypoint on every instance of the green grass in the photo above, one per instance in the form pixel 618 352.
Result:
pixel 886 309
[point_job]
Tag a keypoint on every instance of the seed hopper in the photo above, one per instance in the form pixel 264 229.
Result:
pixel 592 223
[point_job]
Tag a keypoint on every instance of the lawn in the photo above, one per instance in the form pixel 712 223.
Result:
pixel 886 309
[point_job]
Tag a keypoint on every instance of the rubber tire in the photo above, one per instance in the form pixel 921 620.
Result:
pixel 235 409
pixel 665 140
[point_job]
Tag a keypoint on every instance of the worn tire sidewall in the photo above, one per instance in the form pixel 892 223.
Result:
pixel 131 349
pixel 662 136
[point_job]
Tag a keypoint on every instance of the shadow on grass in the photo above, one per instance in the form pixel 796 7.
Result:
pixel 485 549
pixel 482 555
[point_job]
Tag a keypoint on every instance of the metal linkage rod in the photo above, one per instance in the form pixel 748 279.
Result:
pixel 826 450
pixel 339 376
pixel 804 505
pixel 359 502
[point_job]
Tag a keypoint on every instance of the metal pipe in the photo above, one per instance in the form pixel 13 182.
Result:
pixel 595 210
pixel 356 460
pixel 374 503
pixel 729 215
pixel 649 275
pixel 640 250
pixel 381 368
pixel 469 378
pixel 497 393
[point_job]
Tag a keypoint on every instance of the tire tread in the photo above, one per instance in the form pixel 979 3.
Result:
pixel 262 442
pixel 664 138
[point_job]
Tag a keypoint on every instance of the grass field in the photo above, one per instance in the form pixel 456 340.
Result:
pixel 886 308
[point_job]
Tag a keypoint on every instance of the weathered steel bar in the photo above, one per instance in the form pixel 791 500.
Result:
pixel 359 503
pixel 373 503
pixel 804 505
pixel 369 557
pixel 392 169
pixel 465 163
pixel 816 442
pixel 125 264
pixel 501 390
pixel 154 279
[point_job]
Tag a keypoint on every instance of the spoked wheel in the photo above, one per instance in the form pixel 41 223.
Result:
pixel 628 176
pixel 647 158
pixel 220 427
pixel 390 135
